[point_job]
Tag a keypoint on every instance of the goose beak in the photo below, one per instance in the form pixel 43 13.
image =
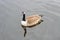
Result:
pixel 23 12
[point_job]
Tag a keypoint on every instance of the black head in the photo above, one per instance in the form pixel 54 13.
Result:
pixel 23 16
pixel 23 12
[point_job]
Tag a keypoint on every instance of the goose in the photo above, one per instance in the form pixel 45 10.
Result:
pixel 30 21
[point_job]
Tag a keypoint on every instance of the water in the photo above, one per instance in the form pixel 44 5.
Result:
pixel 10 17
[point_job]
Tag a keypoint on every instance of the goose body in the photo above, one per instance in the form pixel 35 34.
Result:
pixel 31 20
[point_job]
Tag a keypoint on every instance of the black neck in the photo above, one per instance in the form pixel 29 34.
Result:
pixel 23 17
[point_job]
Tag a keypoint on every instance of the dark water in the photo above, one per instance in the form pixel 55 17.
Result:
pixel 10 17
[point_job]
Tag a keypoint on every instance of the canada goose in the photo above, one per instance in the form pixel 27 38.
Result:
pixel 30 21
